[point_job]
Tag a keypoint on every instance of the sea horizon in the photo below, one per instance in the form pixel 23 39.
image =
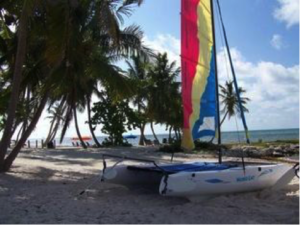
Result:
pixel 227 137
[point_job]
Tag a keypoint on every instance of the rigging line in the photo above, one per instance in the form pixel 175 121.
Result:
pixel 226 60
pixel 205 7
pixel 234 76
pixel 242 150
pixel 237 129
pixel 195 62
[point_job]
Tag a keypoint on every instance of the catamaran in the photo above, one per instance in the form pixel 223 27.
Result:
pixel 201 119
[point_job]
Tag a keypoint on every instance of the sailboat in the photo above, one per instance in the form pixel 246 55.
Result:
pixel 201 119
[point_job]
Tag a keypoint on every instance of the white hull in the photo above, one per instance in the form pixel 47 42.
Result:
pixel 227 181
pixel 205 183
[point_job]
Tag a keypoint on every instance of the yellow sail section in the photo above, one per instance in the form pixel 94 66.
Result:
pixel 203 114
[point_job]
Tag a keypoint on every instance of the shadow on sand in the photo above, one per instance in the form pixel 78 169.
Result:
pixel 42 194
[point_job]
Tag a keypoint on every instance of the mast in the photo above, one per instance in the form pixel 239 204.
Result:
pixel 234 76
pixel 201 113
pixel 217 82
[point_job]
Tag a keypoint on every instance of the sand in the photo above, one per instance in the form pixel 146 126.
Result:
pixel 43 187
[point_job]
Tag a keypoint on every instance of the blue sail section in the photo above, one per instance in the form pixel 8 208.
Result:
pixel 207 123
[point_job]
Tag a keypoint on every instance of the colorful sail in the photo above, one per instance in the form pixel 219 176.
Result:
pixel 198 71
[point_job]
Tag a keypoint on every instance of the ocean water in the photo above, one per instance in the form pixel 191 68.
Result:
pixel 227 137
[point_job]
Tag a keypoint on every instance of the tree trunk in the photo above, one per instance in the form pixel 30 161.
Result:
pixel 212 139
pixel 179 133
pixel 77 128
pixel 90 122
pixel 152 128
pixel 56 121
pixel 142 137
pixel 53 134
pixel 50 131
pixel 15 126
pixel 224 118
pixel 14 153
pixel 176 134
pixel 21 131
pixel 27 109
pixel 17 77
pixel 170 134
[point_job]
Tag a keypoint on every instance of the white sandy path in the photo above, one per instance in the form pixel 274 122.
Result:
pixel 43 187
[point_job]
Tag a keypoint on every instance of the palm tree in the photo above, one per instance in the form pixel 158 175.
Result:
pixel 67 40
pixel 56 117
pixel 91 46
pixel 229 100
pixel 17 76
pixel 138 73
pixel 89 112
pixel 163 93
pixel 25 65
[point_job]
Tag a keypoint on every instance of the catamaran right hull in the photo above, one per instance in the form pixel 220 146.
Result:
pixel 233 180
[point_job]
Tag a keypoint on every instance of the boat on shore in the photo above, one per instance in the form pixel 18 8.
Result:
pixel 196 180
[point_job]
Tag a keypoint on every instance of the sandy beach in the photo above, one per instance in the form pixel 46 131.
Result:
pixel 43 187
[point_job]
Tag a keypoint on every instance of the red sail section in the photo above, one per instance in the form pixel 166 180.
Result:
pixel 189 54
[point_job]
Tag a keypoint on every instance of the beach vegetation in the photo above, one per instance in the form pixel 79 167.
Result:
pixel 138 68
pixel 51 52
pixel 164 96
pixel 115 117
pixel 157 97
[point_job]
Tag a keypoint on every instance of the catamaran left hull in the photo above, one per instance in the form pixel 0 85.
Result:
pixel 133 178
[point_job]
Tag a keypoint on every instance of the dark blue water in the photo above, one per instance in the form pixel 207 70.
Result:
pixel 227 137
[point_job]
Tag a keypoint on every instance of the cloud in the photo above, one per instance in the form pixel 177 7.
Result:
pixel 277 42
pixel 288 12
pixel 165 43
pixel 272 88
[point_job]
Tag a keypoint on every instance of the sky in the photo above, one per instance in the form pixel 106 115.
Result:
pixel 264 40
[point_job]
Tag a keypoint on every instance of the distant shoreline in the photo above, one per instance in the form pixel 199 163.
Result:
pixel 228 137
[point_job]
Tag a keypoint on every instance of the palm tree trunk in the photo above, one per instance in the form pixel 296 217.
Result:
pixel 77 128
pixel 152 128
pixel 27 109
pixel 17 77
pixel 53 134
pixel 224 118
pixel 212 139
pixel 142 137
pixel 179 133
pixel 21 131
pixel 50 131
pixel 15 126
pixel 170 134
pixel 56 121
pixel 14 153
pixel 90 122
pixel 176 134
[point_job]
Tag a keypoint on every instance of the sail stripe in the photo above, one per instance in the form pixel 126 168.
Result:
pixel 198 73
